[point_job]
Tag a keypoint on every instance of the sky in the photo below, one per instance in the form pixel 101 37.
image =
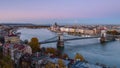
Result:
pixel 61 11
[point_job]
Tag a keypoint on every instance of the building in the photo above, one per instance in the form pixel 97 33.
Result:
pixel 10 49
pixel 12 39
pixel 89 32
pixel 80 31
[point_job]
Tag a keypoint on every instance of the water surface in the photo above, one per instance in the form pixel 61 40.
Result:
pixel 91 49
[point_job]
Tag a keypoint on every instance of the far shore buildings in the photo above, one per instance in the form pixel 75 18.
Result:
pixel 86 31
pixel 80 29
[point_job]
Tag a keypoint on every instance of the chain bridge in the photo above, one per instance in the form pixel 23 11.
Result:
pixel 66 38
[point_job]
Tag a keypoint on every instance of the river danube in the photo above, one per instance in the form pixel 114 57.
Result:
pixel 91 49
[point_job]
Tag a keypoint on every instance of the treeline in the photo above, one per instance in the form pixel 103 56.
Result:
pixel 5 61
pixel 113 32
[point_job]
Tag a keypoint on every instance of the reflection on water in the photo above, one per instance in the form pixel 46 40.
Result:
pixel 91 49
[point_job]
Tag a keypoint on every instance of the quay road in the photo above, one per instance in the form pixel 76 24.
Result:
pixel 69 39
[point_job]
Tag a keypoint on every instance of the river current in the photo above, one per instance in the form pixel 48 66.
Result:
pixel 91 49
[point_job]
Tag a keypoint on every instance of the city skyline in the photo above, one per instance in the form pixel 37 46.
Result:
pixel 63 11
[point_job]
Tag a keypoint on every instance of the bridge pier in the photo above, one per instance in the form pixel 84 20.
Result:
pixel 102 39
pixel 60 42
pixel 106 37
pixel 103 36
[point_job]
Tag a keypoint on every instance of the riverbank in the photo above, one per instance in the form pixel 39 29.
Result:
pixel 22 55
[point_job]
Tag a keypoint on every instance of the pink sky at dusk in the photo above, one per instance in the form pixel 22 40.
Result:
pixel 12 10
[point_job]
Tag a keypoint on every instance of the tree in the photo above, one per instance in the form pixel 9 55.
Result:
pixel 6 62
pixel 34 43
pixel 113 32
pixel 51 50
pixel 79 57
pixel 25 41
pixel 50 65
pixel 61 63
pixel 65 56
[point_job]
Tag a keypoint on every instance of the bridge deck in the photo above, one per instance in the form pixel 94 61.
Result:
pixel 45 42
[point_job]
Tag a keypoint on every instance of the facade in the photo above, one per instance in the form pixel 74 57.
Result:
pixel 89 32
pixel 80 31
pixel 12 39
pixel 28 50
pixel 13 49
pixel 64 29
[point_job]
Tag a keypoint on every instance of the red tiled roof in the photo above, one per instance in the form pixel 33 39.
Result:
pixel 16 46
pixel 21 47
pixel 6 45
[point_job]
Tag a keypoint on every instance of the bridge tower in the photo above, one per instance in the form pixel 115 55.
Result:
pixel 60 42
pixel 103 36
